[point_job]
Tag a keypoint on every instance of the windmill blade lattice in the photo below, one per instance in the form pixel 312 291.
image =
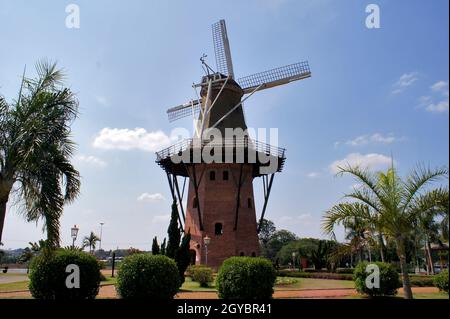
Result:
pixel 222 49
pixel 275 77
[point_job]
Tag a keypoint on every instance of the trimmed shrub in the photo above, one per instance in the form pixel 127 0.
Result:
pixel 420 280
pixel 48 275
pixel 441 280
pixel 145 276
pixel 246 278
pixel 345 270
pixel 389 280
pixel 202 275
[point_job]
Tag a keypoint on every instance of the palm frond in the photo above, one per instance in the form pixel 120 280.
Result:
pixel 418 179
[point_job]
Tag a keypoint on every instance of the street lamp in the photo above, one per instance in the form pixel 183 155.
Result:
pixel 74 234
pixel 293 258
pixel 206 241
pixel 101 232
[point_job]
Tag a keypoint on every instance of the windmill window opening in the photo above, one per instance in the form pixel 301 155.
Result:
pixel 249 203
pixel 241 254
pixel 212 176
pixel 225 175
pixel 195 203
pixel 218 229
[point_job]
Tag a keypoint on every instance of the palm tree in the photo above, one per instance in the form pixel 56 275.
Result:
pixel 430 206
pixel 36 149
pixel 91 241
pixel 394 201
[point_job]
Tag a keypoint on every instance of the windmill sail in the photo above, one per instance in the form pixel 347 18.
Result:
pixel 275 77
pixel 183 110
pixel 222 49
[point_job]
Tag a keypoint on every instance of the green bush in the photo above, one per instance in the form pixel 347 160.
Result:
pixel 246 278
pixel 389 280
pixel 421 280
pixel 102 264
pixel 145 276
pixel 441 280
pixel 48 275
pixel 345 270
pixel 202 275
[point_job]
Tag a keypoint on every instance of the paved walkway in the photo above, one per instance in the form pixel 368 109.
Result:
pixel 110 292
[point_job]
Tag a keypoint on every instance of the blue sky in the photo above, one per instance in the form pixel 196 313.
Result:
pixel 373 93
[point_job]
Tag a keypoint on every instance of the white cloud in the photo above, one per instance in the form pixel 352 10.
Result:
pixel 440 87
pixel 127 139
pixel 313 174
pixel 376 138
pixel 91 160
pixel 439 90
pixel 405 80
pixel 151 197
pixel 293 219
pixel 438 108
pixel 372 161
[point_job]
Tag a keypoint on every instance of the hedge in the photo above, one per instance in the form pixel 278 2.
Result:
pixel 145 276
pixel 246 278
pixel 48 275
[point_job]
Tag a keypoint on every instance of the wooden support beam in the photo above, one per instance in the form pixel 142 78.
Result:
pixel 266 199
pixel 238 200
pixel 180 198
pixel 174 198
pixel 197 198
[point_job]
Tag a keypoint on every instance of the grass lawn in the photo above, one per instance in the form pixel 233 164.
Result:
pixel 291 283
pixel 433 295
pixel 190 285
pixel 23 285
pixel 12 275
pixel 283 283
pixel 14 286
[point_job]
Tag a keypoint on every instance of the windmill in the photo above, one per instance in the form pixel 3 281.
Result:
pixel 220 198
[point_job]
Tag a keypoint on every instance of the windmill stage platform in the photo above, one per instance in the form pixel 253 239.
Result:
pixel 177 158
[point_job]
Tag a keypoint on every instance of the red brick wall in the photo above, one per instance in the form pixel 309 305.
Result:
pixel 217 201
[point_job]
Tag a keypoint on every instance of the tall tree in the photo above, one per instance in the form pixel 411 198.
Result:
pixel 163 247
pixel 36 149
pixel 91 241
pixel 394 200
pixel 183 256
pixel 155 246
pixel 173 232
pixel 266 230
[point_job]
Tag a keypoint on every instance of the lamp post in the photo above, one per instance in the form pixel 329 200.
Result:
pixel 101 232
pixel 74 234
pixel 206 241
pixel 293 259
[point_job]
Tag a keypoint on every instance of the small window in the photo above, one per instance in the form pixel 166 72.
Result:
pixel 225 175
pixel 241 254
pixel 253 254
pixel 212 175
pixel 249 203
pixel 195 202
pixel 218 229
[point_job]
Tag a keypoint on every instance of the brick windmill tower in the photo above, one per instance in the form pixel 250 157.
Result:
pixel 220 167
